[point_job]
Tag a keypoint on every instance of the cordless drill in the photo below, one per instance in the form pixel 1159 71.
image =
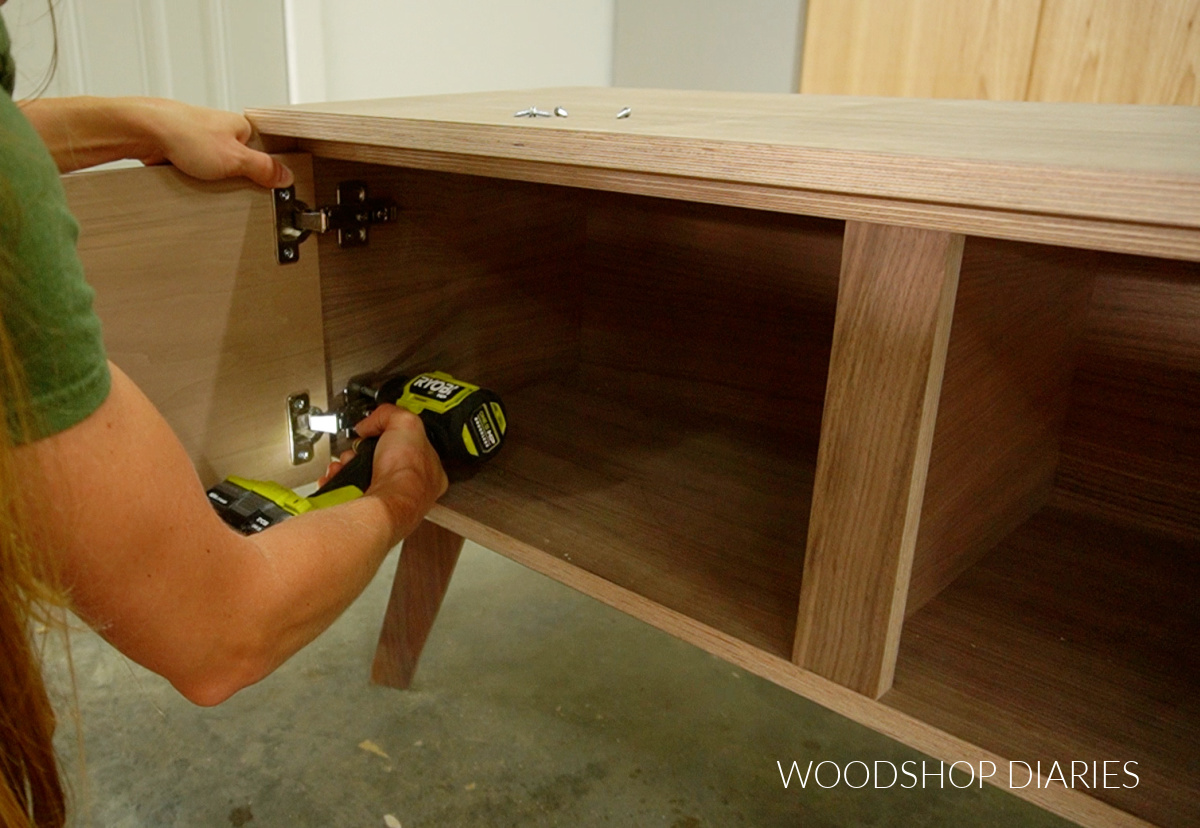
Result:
pixel 465 425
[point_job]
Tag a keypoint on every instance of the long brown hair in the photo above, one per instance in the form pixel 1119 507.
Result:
pixel 31 791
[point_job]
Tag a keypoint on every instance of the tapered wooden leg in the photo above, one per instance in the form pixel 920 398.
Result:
pixel 427 561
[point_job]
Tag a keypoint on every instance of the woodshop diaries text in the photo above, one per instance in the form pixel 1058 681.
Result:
pixel 883 774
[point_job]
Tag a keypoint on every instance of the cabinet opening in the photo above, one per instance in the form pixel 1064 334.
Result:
pixel 1052 613
pixel 663 363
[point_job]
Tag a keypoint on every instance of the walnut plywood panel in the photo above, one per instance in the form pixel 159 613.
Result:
pixel 1073 641
pixel 895 302
pixel 196 310
pixel 1018 321
pixel 1093 234
pixel 1131 447
pixel 699 521
pixel 712 315
pixel 1111 163
pixel 475 277
pixel 920 48
pixel 1117 51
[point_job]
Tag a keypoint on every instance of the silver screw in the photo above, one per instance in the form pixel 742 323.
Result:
pixel 362 234
pixel 288 253
pixel 624 113
pixel 304 455
pixel 299 404
pixel 285 195
pixel 361 194
pixel 560 112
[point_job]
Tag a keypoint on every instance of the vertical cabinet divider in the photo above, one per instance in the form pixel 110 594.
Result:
pixel 895 305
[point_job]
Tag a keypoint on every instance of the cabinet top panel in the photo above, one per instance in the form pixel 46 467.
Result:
pixel 1109 162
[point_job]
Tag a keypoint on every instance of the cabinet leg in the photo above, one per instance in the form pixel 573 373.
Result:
pixel 427 561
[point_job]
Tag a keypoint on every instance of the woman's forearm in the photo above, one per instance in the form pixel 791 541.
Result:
pixel 84 131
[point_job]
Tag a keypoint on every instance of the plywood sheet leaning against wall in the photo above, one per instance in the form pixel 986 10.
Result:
pixel 197 311
pixel 920 48
pixel 1117 51
pixel 1097 51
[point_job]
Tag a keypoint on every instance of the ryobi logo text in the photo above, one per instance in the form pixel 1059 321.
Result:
pixel 434 388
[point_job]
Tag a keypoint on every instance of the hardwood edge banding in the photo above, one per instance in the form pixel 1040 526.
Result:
pixel 876 715
pixel 1085 193
pixel 1166 241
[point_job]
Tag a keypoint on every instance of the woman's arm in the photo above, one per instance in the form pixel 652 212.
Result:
pixel 205 143
pixel 149 564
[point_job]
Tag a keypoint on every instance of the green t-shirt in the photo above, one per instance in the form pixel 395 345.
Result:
pixel 45 302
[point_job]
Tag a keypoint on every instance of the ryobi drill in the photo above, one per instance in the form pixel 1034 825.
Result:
pixel 465 424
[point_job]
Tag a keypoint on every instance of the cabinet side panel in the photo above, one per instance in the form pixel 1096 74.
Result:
pixel 1131 446
pixel 197 311
pixel 476 277
pixel 1018 320
pixel 714 316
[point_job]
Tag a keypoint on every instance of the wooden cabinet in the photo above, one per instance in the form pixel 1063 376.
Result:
pixel 895 403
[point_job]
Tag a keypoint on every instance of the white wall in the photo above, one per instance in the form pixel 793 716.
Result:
pixel 345 49
pixel 730 45
pixel 227 54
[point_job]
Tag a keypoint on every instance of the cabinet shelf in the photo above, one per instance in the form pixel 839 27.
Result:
pixel 705 522
pixel 1074 639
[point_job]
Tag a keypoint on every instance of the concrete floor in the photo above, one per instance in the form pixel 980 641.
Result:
pixel 534 706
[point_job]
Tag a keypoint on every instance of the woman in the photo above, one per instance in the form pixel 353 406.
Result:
pixel 102 509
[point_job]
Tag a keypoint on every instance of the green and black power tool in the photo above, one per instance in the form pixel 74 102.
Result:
pixel 465 424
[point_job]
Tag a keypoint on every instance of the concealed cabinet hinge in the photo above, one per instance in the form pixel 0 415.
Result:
pixel 306 424
pixel 350 217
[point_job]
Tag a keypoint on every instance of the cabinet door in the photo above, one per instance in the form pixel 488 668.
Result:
pixel 197 311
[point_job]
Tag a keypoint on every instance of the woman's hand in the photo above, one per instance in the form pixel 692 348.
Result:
pixel 204 143
pixel 407 474
pixel 84 131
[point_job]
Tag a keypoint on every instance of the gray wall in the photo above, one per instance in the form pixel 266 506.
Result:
pixel 731 45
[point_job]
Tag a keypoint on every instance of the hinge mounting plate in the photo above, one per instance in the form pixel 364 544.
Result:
pixel 351 217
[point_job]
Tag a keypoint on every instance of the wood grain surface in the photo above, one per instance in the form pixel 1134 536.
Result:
pixel 196 310
pixel 1018 322
pixel 1117 51
pixel 979 49
pixel 895 303
pixel 1098 51
pixel 1131 445
pixel 423 573
pixel 476 277
pixel 1119 163
pixel 1074 640
pixel 1093 234
pixel 696 519
pixel 713 317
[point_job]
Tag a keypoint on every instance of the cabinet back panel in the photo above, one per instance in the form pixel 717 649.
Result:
pixel 475 277
pixel 1014 340
pixel 1131 448
pixel 712 314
